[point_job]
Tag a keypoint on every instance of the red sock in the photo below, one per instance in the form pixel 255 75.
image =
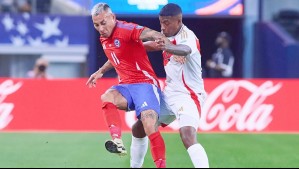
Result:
pixel 158 150
pixel 113 119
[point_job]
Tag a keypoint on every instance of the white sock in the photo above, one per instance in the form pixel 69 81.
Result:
pixel 198 156
pixel 139 148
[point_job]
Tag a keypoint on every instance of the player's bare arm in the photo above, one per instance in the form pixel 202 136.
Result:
pixel 106 67
pixel 151 46
pixel 92 81
pixel 166 45
pixel 153 40
pixel 150 35
pixel 162 43
pixel 178 50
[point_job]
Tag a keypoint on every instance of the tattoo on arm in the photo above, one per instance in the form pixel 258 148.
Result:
pixel 150 35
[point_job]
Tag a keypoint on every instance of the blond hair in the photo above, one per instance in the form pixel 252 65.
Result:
pixel 100 8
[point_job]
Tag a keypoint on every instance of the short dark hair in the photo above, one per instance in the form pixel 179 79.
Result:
pixel 171 9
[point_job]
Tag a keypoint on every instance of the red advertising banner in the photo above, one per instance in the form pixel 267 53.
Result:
pixel 69 105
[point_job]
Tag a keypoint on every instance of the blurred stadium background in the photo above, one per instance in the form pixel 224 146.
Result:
pixel 249 120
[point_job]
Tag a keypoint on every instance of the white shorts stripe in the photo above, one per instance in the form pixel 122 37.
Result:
pixel 156 93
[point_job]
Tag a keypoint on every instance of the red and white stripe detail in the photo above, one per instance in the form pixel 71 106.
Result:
pixel 148 75
pixel 198 45
pixel 194 96
pixel 115 59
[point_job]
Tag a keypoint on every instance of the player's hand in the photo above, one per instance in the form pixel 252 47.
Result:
pixel 161 43
pixel 180 59
pixel 92 81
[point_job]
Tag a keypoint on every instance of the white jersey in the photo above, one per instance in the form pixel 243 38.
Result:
pixel 184 78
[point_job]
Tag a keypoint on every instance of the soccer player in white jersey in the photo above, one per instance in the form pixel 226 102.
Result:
pixel 184 92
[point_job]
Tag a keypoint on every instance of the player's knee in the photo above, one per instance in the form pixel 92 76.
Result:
pixel 188 136
pixel 103 98
pixel 107 97
pixel 138 130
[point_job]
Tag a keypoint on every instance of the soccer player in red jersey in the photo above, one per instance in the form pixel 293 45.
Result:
pixel 138 87
pixel 184 93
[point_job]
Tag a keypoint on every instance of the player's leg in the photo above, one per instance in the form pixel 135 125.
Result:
pixel 111 113
pixel 188 111
pixel 139 145
pixel 115 98
pixel 195 150
pixel 149 120
pixel 147 105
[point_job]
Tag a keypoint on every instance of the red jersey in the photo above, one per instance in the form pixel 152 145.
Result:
pixel 127 54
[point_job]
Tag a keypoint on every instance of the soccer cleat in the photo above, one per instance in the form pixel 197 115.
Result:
pixel 116 146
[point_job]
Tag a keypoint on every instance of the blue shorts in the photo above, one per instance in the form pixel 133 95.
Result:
pixel 141 97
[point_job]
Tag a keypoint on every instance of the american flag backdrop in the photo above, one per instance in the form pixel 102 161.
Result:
pixel 42 30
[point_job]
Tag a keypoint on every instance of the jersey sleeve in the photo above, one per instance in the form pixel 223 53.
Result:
pixel 136 32
pixel 189 39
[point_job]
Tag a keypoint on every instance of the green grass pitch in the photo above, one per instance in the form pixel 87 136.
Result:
pixel 86 150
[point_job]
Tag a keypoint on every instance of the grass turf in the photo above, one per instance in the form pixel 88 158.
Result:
pixel 86 150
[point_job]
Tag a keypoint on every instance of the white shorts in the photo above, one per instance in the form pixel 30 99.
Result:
pixel 187 109
pixel 166 115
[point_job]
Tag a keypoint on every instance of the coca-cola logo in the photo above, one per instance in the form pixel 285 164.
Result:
pixel 223 110
pixel 7 88
pixel 253 115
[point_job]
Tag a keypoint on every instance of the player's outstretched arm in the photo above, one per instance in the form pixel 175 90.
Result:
pixel 92 81
pixel 179 50
pixel 151 46
pixel 151 38
pixel 150 35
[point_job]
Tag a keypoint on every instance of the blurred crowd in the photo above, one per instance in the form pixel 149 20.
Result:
pixel 39 70
pixel 60 7
pixel 28 6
